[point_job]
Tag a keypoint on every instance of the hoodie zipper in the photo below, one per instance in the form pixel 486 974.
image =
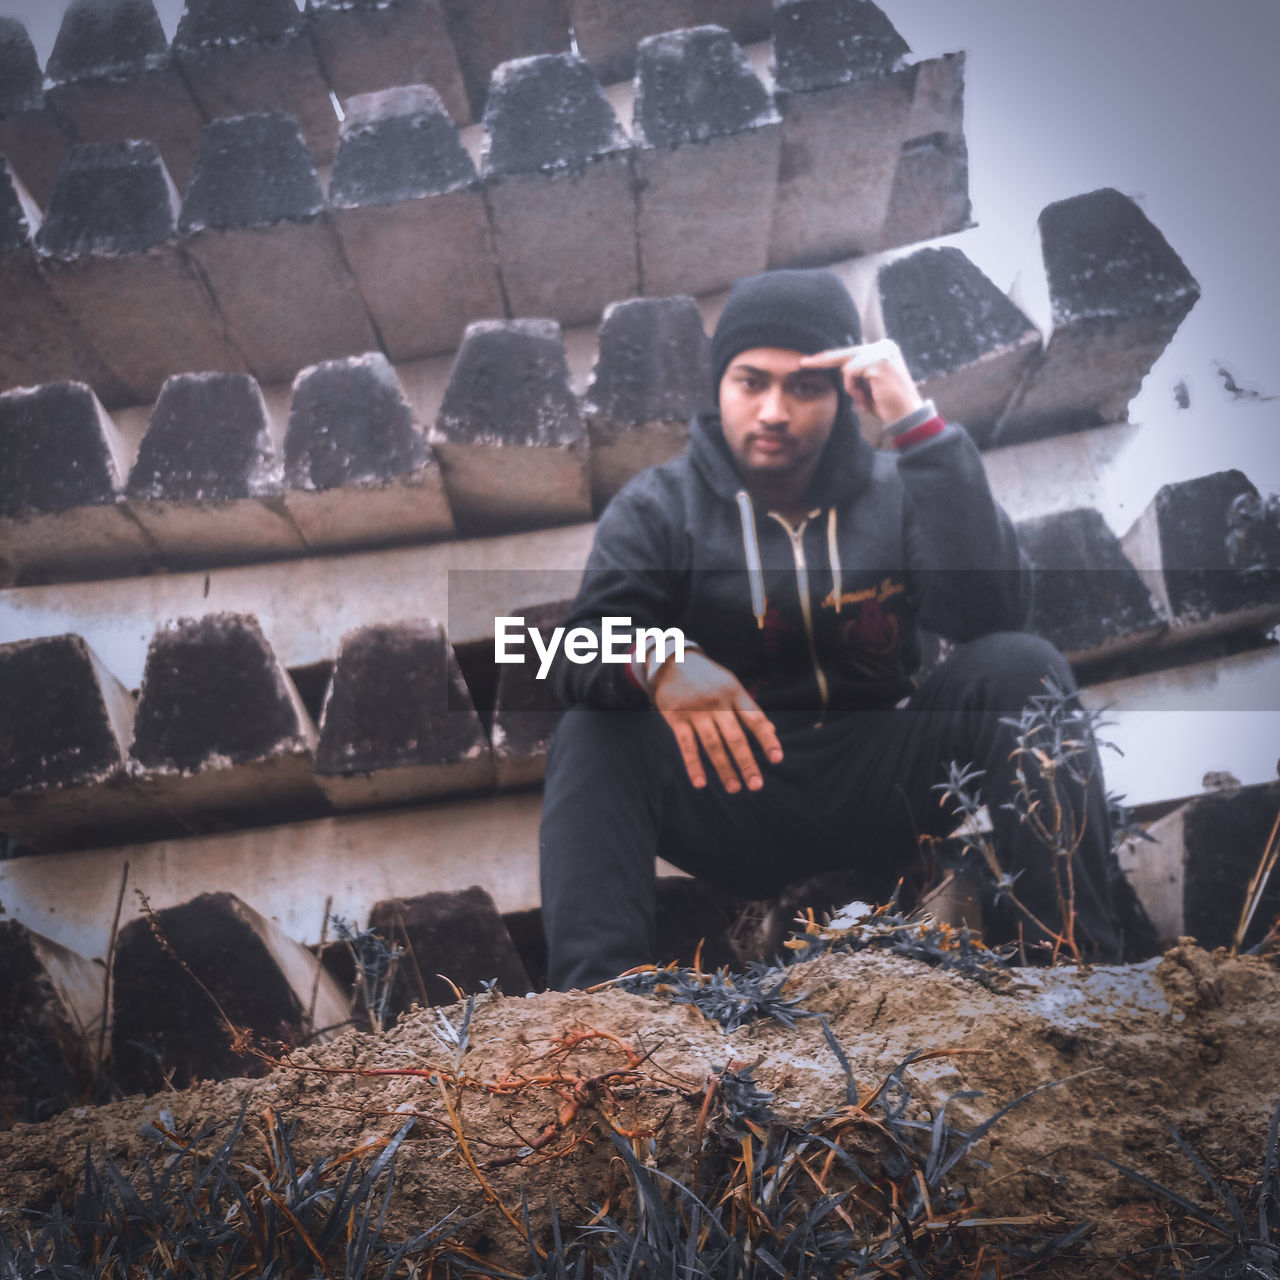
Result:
pixel 806 607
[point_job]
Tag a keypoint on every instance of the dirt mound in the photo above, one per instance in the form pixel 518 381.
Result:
pixel 528 1098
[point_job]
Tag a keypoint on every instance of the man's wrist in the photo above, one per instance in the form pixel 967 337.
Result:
pixel 644 667
pixel 915 426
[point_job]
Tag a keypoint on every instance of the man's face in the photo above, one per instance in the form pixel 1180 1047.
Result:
pixel 776 416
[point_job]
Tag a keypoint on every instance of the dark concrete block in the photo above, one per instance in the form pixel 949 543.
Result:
pixel 509 436
pixel 111 75
pixel 707 137
pixel 51 1006
pixel 1089 600
pixel 846 93
pixel 109 247
pixel 65 725
pixel 487 35
pixel 42 343
pixel 558 175
pixel 456 936
pixel 398 723
pixel 930 195
pixel 408 207
pixel 167 1026
pixel 208 484
pixel 607 33
pixel 525 711
pixel 358 466
pixel 1109 293
pixel 219 723
pixel 1209 549
pixel 652 374
pixel 967 346
pixel 254 220
pixel 245 56
pixel 368 45
pixel 32 137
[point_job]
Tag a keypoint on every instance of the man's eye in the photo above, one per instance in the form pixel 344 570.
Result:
pixel 751 384
pixel 810 388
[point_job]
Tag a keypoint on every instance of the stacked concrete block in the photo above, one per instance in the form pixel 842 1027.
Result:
pixel 495 32
pixel 112 75
pixel 109 248
pixel 1089 600
pixel 557 168
pixel 1108 293
pixel 208 484
pixel 411 216
pixel 52 1004
pixel 368 45
pixel 509 436
pixel 41 341
pixel 707 138
pixel 219 724
pixel 181 975
pixel 451 940
pixel 607 32
pixel 967 346
pixel 32 136
pixel 254 220
pixel 1193 874
pixel 65 727
pixel 846 95
pixel 60 471
pixel 1209 549
pixel 358 467
pixel 247 56
pixel 652 374
pixel 398 722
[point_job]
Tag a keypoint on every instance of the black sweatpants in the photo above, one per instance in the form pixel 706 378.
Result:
pixel 854 793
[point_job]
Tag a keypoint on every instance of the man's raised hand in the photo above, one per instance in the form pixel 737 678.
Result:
pixel 706 705
pixel 875 376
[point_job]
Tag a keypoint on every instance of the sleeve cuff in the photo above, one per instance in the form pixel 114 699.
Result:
pixel 920 424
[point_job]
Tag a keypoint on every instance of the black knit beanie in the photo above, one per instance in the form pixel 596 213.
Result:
pixel 805 311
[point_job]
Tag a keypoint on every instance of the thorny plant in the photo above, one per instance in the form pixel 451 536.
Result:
pixel 1233 1241
pixel 376 961
pixel 1055 739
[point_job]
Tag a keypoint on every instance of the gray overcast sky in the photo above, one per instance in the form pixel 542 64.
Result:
pixel 1174 102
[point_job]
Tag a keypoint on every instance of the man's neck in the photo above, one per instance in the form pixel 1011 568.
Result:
pixel 783 494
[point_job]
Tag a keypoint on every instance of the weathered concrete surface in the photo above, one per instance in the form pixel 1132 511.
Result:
pixel 1194 873
pixel 208 484
pixel 109 248
pixel 113 76
pixel 219 724
pixel 1209 550
pixel 65 727
pixel 930 195
pixel 845 94
pixel 358 468
pixel 408 208
pixel 51 1007
pixel 511 441
pixel 41 341
pixel 219 960
pixel 1089 600
pixel 499 30
pixel 966 345
pixel 398 722
pixel 525 711
pixel 558 179
pixel 455 941
pixel 32 138
pixel 60 478
pixel 254 219
pixel 707 138
pixel 653 372
pixel 245 56
pixel 1108 292
pixel 368 45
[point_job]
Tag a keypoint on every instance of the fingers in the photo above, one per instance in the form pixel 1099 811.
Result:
pixel 855 359
pixel 687 741
pixel 760 726
pixel 720 735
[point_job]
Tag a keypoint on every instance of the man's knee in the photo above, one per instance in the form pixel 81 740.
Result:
pixel 1018 663
pixel 598 736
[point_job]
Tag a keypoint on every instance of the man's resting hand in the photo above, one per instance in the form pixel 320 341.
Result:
pixel 704 703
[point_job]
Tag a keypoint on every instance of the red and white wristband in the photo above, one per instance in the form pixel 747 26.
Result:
pixel 920 424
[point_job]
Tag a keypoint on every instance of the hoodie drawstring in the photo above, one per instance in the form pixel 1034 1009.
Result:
pixel 751 548
pixel 833 554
